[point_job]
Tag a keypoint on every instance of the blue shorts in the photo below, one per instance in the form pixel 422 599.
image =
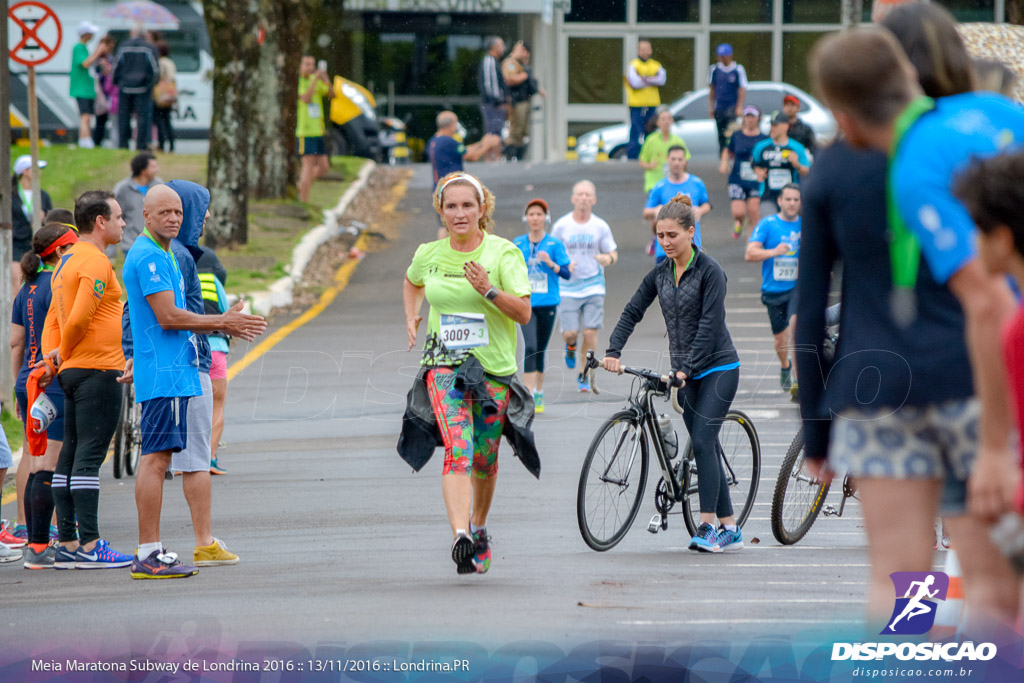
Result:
pixel 55 432
pixel 311 147
pixel 164 424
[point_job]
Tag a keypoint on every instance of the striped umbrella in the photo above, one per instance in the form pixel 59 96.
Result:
pixel 143 12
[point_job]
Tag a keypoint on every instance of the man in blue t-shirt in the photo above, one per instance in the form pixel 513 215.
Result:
pixel 165 367
pixel 678 181
pixel 776 244
pixel 446 151
pixel 778 161
pixel 727 91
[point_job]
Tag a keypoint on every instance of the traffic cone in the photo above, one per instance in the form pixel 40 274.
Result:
pixel 400 152
pixel 570 149
pixel 602 155
pixel 949 613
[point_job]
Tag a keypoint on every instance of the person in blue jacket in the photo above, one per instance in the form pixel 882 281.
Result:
pixel 546 261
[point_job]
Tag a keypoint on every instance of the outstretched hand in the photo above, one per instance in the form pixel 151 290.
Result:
pixel 243 325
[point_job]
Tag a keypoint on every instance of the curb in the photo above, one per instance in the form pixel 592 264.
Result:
pixel 280 293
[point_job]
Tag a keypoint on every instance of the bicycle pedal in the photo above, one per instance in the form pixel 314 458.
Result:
pixel 656 524
pixel 829 511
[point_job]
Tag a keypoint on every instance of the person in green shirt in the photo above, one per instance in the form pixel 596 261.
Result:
pixel 478 288
pixel 83 87
pixel 310 128
pixel 655 149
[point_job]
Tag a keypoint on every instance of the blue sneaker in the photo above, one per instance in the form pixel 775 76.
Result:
pixel 54 534
pixel 102 556
pixel 583 383
pixel 730 541
pixel 64 558
pixel 706 540
pixel 570 355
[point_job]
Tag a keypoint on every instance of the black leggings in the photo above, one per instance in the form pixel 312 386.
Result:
pixel 705 403
pixel 164 129
pixel 536 335
pixel 92 405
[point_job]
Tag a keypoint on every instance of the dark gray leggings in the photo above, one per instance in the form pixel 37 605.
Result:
pixel 536 335
pixel 705 403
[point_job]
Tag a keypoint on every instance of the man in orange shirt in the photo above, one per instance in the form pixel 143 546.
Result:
pixel 82 336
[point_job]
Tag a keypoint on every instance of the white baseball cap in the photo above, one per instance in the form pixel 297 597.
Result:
pixel 44 411
pixel 24 162
pixel 86 27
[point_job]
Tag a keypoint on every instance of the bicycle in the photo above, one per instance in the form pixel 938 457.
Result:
pixel 799 498
pixel 612 482
pixel 128 436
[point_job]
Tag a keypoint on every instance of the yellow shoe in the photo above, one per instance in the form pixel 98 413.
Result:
pixel 213 555
pixel 538 402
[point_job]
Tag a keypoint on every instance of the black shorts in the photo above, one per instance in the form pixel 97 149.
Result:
pixel 85 106
pixel 781 307
pixel 311 146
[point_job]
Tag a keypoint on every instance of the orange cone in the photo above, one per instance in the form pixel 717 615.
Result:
pixel 949 613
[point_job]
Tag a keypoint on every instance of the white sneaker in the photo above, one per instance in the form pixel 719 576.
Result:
pixel 86 143
pixel 9 554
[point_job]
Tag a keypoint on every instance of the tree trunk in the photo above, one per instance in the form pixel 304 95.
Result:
pixel 273 160
pixel 232 26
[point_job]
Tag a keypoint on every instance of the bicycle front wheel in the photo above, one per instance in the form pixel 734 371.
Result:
pixel 123 427
pixel 798 497
pixel 612 481
pixel 739 452
pixel 134 438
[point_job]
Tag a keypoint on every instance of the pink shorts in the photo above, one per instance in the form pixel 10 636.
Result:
pixel 219 366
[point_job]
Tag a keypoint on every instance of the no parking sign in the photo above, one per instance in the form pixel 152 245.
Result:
pixel 41 33
pixel 40 36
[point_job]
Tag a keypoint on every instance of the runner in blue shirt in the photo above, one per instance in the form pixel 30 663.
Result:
pixel 778 162
pixel 776 244
pixel 744 188
pixel 546 261
pixel 446 151
pixel 678 181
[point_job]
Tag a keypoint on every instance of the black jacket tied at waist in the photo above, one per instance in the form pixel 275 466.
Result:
pixel 420 435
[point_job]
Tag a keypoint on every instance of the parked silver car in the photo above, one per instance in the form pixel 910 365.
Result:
pixel 699 132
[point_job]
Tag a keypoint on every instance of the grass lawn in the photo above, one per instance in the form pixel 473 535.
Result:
pixel 12 425
pixel 275 227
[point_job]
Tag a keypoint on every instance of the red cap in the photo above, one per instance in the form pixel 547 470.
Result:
pixel 791 98
pixel 537 202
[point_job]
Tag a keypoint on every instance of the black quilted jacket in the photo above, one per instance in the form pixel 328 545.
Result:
pixel 694 315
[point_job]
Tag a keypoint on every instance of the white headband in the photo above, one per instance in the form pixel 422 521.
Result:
pixel 469 179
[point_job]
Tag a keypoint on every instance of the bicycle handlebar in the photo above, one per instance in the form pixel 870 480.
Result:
pixel 670 381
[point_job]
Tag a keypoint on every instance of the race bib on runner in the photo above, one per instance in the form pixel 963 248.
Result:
pixel 747 171
pixel 778 178
pixel 463 330
pixel 784 268
pixel 538 280
pixel 315 110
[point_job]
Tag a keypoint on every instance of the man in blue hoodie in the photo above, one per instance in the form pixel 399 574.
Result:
pixel 170 363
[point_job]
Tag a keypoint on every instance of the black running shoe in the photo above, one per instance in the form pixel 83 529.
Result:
pixel 463 553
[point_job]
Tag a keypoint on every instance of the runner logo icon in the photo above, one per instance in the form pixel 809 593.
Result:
pixel 916 593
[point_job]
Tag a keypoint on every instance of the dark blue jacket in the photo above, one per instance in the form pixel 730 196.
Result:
pixel 195 200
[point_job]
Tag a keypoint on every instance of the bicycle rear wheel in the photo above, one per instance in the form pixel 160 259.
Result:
pixel 612 481
pixel 798 498
pixel 739 450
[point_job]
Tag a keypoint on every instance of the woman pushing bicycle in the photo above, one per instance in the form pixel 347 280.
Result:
pixel 467 394
pixel 690 286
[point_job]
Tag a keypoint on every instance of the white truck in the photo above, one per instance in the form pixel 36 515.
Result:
pixel 58 112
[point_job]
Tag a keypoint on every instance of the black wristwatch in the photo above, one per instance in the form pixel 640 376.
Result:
pixel 491 294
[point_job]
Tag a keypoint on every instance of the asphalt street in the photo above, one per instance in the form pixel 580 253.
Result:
pixel 341 542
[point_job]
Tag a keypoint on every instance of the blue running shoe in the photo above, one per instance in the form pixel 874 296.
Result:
pixel 706 540
pixel 102 556
pixel 583 383
pixel 20 531
pixel 64 558
pixel 161 564
pixel 570 355
pixel 54 533
pixel 730 541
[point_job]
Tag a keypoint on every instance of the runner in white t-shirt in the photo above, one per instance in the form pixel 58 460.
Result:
pixel 588 241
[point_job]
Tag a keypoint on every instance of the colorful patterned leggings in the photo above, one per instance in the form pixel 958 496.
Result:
pixel 470 439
